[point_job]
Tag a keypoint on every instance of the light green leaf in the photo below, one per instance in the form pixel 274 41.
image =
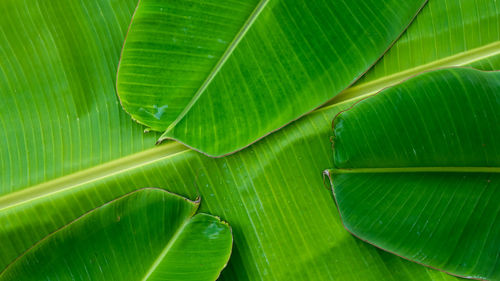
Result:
pixel 219 75
pixel 417 171
pixel 67 147
pixel 148 234
pixel 59 112
pixel 446 33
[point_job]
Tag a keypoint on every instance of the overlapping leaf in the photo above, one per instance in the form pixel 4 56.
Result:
pixel 218 75
pixel 272 194
pixel 417 170
pixel 66 141
pixel 148 234
pixel 446 33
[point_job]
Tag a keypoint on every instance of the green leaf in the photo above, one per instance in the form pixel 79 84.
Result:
pixel 272 194
pixel 67 147
pixel 148 234
pixel 446 33
pixel 219 75
pixel 63 117
pixel 417 170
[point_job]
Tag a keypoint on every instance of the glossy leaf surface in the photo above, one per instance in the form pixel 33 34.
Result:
pixel 219 75
pixel 149 234
pixel 66 150
pixel 417 170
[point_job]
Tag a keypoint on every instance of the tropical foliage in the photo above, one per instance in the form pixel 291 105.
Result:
pixel 422 182
pixel 76 201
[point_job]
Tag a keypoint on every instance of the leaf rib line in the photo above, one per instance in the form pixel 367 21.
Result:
pixel 90 175
pixel 415 170
pixel 241 34
pixel 61 184
pixel 167 248
pixel 368 88
pixel 89 212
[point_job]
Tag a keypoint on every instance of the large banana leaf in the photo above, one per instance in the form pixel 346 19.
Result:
pixel 417 170
pixel 148 234
pixel 218 75
pixel 67 147
pixel 284 221
pixel 58 110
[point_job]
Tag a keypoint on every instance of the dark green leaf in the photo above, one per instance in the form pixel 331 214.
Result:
pixel 417 171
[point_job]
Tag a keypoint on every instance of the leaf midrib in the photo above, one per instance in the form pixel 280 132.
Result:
pixel 88 213
pixel 172 149
pixel 167 248
pixel 415 170
pixel 371 87
pixel 93 174
pixel 239 36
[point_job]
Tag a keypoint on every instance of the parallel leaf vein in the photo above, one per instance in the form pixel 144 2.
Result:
pixel 170 150
pixel 260 7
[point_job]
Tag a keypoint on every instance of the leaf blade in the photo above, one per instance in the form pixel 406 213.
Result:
pixel 113 242
pixel 440 37
pixel 423 185
pixel 106 133
pixel 259 83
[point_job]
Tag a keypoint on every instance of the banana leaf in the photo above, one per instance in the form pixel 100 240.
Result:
pixel 417 170
pixel 219 75
pixel 67 147
pixel 445 34
pixel 149 234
